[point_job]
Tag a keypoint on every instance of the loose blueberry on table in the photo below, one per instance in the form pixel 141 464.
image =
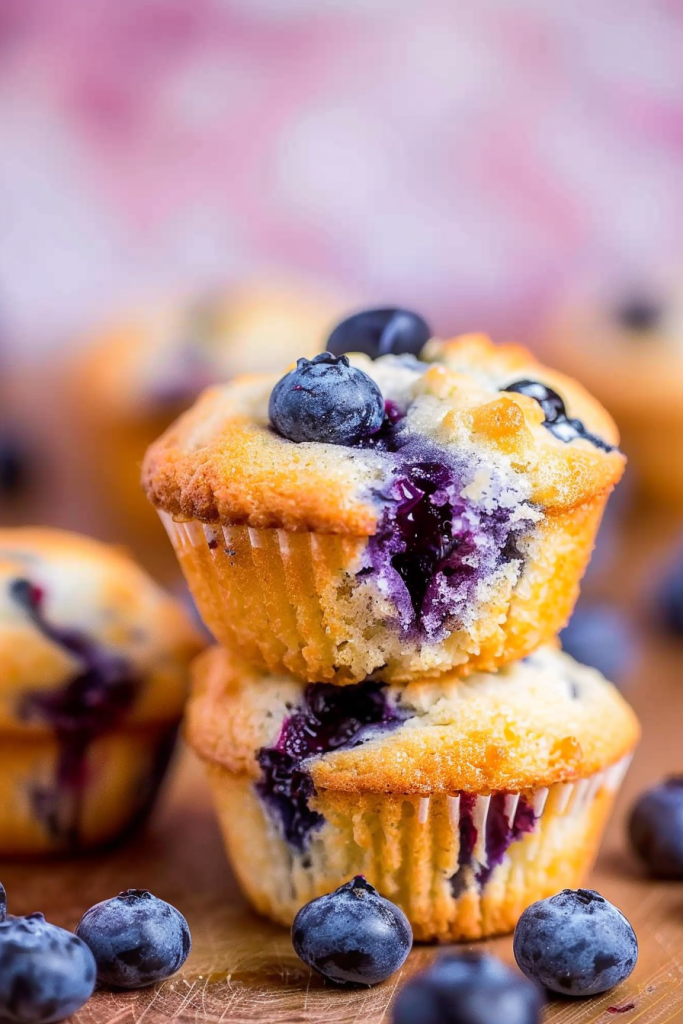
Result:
pixel 656 828
pixel 380 332
pixel 575 943
pixel 469 988
pixel 136 939
pixel 46 973
pixel 352 936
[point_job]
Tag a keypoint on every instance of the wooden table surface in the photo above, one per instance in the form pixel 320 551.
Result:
pixel 243 969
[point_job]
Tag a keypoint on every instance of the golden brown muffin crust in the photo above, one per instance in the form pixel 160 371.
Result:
pixel 534 723
pixel 221 462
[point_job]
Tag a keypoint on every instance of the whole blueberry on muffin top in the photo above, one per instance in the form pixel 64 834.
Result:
pixel 326 399
pixel 381 332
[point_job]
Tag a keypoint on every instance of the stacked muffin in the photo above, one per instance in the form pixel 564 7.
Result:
pixel 386 548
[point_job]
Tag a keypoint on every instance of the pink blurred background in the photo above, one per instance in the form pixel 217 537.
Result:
pixel 464 159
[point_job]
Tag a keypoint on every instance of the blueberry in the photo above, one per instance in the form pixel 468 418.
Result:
pixel 12 469
pixel 575 943
pixel 556 420
pixel 639 313
pixel 600 636
pixel 670 598
pixel 136 938
pixel 656 828
pixel 352 936
pixel 46 973
pixel 378 332
pixel 3 903
pixel 469 988
pixel 325 399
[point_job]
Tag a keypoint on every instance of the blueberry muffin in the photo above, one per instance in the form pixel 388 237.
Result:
pixel 627 346
pixel 394 517
pixel 138 375
pixel 95 669
pixel 461 800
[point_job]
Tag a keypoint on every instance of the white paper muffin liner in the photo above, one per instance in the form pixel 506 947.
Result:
pixel 291 601
pixel 409 847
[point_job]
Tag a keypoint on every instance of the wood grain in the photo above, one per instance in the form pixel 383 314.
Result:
pixel 243 969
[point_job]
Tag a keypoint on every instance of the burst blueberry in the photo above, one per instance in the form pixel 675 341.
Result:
pixel 352 936
pixel 575 943
pixel 328 718
pixel 136 939
pixel 469 988
pixel 656 828
pixel 326 399
pixel 46 973
pixel 380 332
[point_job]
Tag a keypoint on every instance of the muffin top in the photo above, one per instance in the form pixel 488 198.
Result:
pixel 158 359
pixel 508 430
pixel 86 634
pixel 537 722
pixel 625 341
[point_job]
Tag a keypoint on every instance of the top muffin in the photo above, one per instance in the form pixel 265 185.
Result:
pixel 472 476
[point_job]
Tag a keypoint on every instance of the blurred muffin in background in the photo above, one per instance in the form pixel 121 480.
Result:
pixel 626 345
pixel 95 661
pixel 138 374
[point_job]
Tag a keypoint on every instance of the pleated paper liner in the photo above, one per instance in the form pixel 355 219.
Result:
pixel 292 602
pixel 441 858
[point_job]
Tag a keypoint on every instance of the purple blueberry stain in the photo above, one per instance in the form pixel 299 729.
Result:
pixel 501 833
pixel 556 420
pixel 91 703
pixel 434 546
pixel 329 718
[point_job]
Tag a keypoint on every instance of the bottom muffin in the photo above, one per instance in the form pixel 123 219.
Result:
pixel 461 800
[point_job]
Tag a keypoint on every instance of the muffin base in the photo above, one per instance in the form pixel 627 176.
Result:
pixel 290 601
pixel 409 847
pixel 122 773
